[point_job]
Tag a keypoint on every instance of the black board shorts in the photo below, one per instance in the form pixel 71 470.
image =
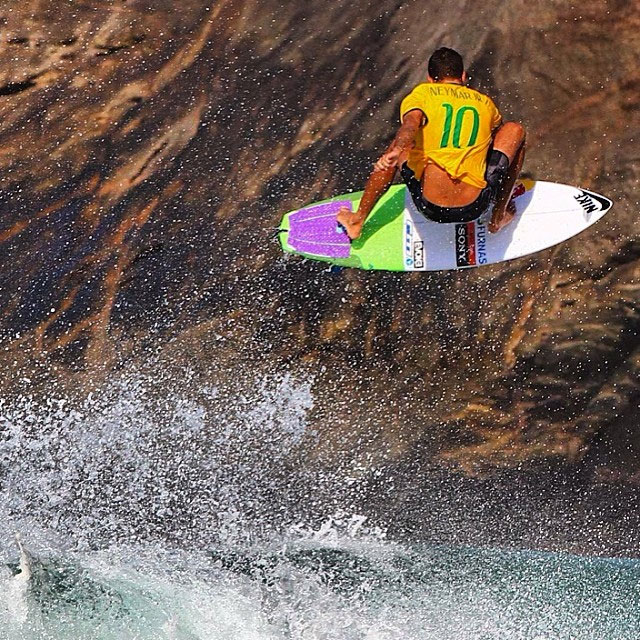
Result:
pixel 437 213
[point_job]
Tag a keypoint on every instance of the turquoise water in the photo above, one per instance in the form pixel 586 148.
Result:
pixel 143 515
pixel 321 584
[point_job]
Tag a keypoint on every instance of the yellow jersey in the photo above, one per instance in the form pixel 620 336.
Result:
pixel 457 131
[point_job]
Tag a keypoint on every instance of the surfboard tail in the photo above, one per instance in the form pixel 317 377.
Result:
pixel 315 231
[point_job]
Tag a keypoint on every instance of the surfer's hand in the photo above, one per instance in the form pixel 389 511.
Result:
pixel 388 159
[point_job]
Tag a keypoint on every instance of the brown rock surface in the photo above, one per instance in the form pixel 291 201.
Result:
pixel 145 152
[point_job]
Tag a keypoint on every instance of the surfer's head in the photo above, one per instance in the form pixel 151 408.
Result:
pixel 446 64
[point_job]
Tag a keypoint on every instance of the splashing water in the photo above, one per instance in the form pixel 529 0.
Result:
pixel 142 515
pixel 133 464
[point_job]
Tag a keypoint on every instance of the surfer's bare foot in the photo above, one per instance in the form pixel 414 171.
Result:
pixel 351 221
pixel 499 220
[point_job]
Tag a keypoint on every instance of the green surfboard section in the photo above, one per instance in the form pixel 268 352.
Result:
pixel 379 246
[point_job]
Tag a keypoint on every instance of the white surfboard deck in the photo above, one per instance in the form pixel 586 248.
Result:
pixel 547 213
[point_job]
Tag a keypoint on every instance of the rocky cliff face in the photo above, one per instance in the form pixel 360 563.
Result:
pixel 145 152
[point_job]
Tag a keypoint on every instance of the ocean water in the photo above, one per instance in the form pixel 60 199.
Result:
pixel 136 513
pixel 326 583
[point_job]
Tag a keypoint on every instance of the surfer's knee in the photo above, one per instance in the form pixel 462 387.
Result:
pixel 514 131
pixel 509 140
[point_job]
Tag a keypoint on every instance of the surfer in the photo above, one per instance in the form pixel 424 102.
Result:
pixel 453 150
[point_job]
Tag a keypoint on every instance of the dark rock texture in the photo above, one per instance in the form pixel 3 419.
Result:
pixel 145 151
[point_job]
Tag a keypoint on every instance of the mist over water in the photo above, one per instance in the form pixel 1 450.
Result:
pixel 156 511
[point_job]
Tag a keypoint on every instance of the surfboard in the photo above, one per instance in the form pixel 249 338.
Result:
pixel 397 237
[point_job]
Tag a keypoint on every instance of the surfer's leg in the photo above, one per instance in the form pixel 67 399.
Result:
pixel 509 140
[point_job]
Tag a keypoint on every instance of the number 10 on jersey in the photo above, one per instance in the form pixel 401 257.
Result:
pixel 457 123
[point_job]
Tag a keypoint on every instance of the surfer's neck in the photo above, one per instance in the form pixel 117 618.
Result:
pixel 457 81
pixel 450 80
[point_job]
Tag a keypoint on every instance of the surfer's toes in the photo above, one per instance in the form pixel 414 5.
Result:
pixel 343 214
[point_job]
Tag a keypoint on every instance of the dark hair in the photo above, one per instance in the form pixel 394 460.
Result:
pixel 445 63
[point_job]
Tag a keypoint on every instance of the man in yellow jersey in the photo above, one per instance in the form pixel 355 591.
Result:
pixel 454 152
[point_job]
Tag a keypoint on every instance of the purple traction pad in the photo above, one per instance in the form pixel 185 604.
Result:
pixel 314 231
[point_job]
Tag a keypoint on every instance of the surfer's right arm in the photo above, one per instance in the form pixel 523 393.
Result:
pixel 382 175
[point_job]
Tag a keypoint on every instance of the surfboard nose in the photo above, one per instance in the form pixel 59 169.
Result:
pixel 315 231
